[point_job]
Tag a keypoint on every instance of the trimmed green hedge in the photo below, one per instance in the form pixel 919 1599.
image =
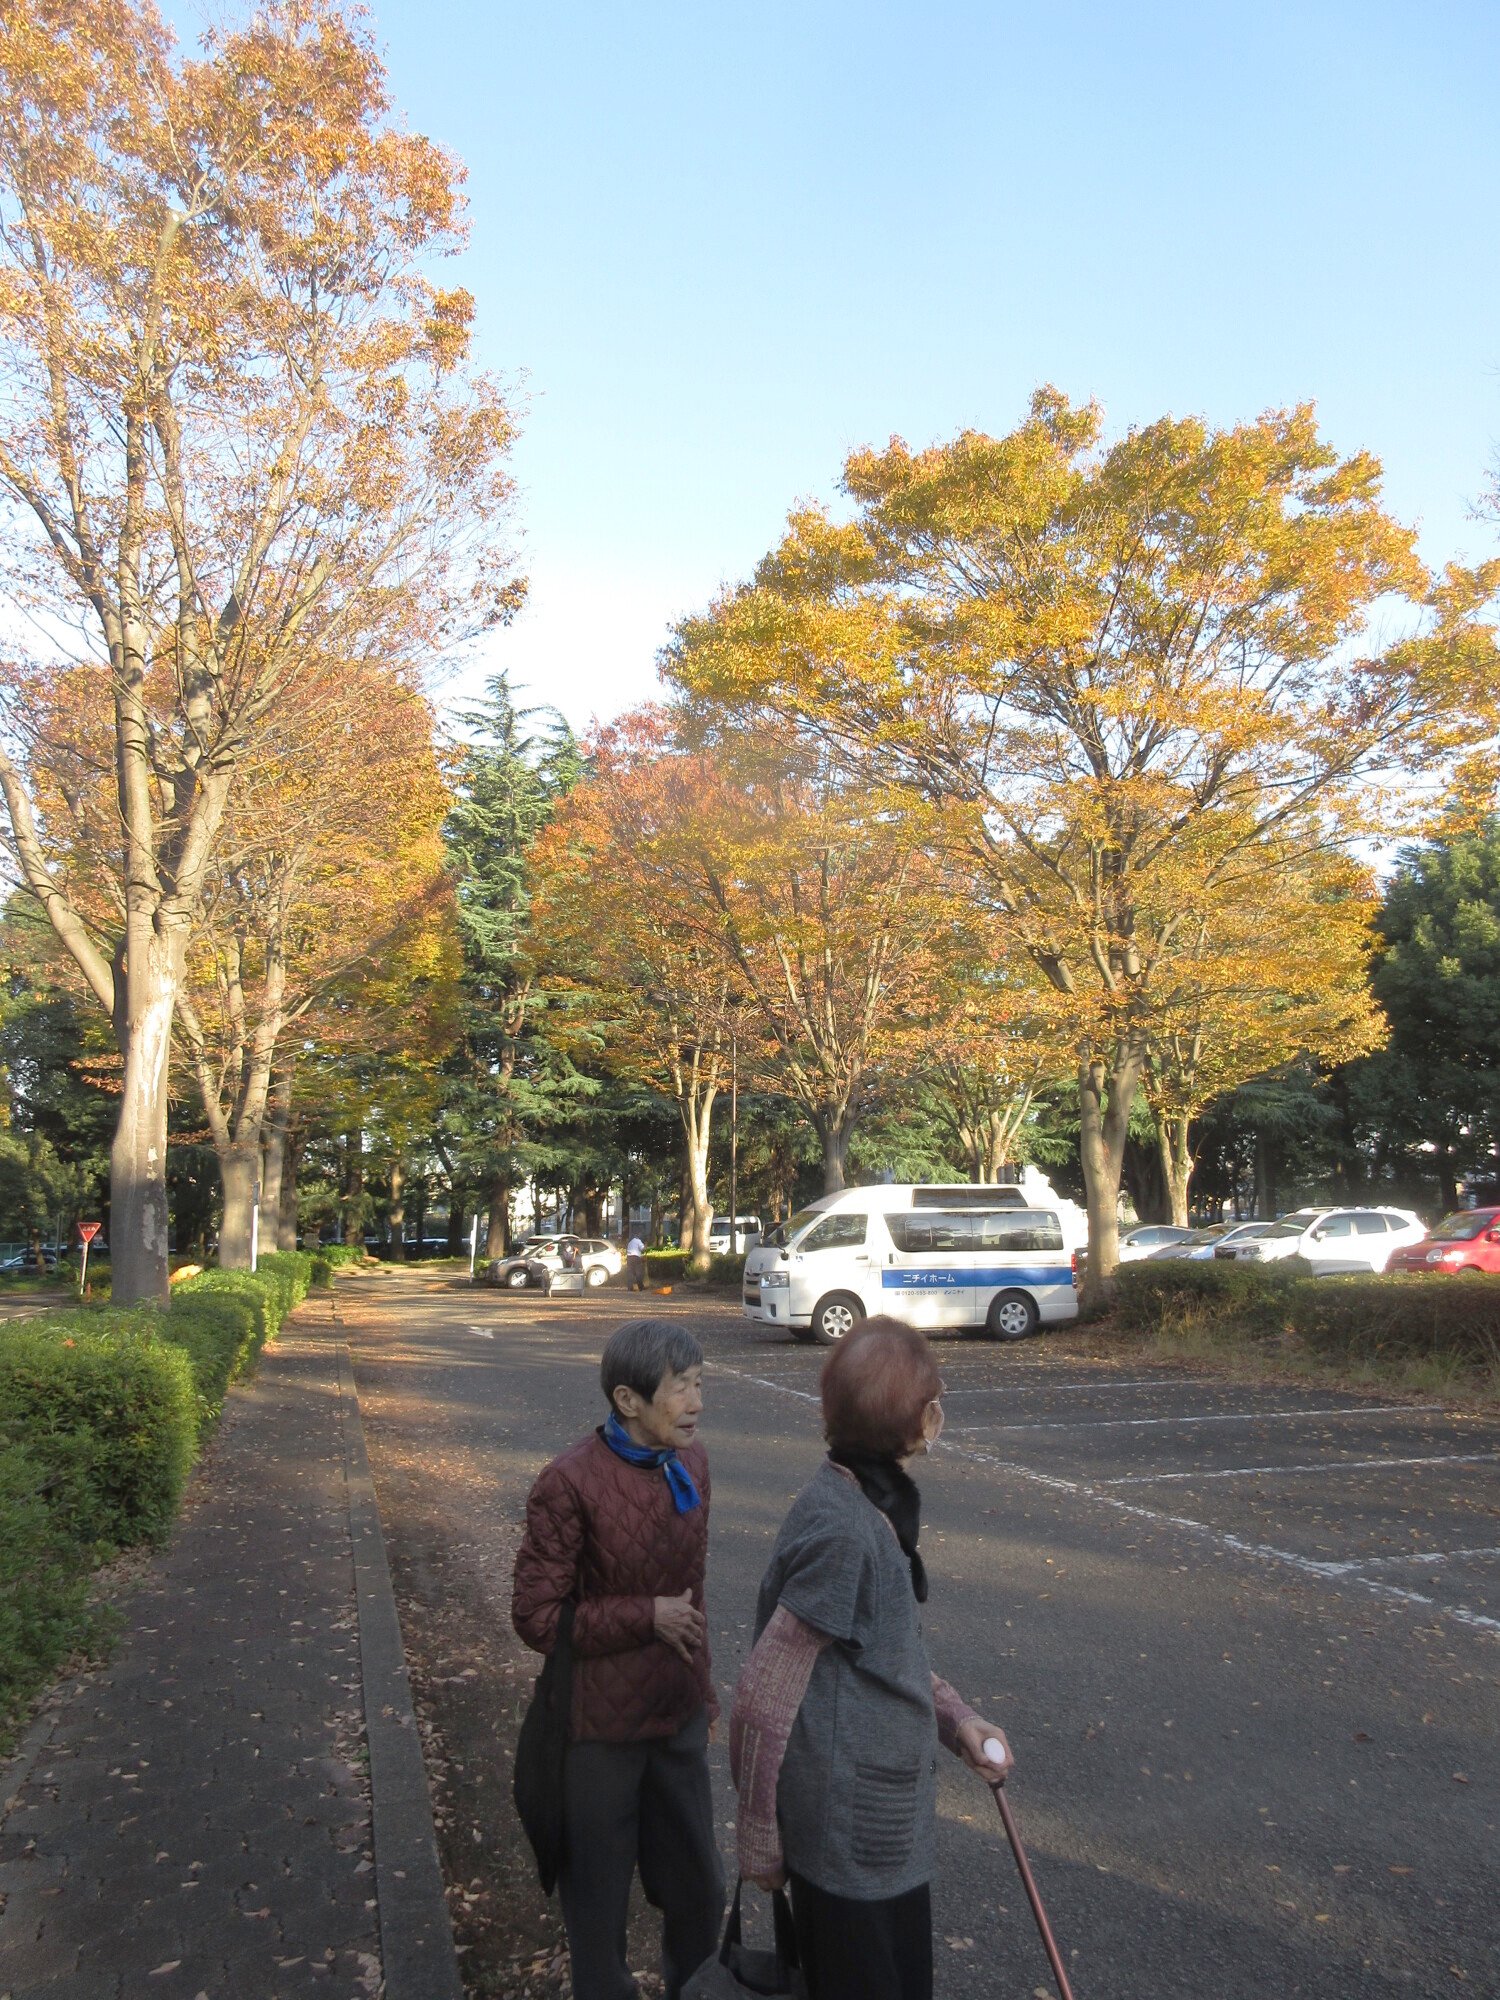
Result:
pixel 1256 1296
pixel 670 1267
pixel 102 1412
pixel 1356 1317
pixel 1406 1314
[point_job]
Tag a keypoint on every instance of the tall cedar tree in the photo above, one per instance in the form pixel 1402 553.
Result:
pixel 508 1086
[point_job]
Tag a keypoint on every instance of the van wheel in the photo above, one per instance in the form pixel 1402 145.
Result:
pixel 596 1275
pixel 835 1316
pixel 1012 1316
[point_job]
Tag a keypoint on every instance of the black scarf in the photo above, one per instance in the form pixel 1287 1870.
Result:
pixel 887 1485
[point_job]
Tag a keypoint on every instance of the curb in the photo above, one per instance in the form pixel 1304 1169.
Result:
pixel 416 1937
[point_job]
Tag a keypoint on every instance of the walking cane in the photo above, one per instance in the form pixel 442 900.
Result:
pixel 1028 1883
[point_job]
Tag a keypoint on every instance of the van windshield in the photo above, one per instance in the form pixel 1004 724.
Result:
pixel 803 1219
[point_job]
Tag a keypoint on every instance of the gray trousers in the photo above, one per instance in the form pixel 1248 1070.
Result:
pixel 647 1805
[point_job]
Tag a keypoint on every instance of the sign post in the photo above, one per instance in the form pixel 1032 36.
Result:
pixel 255 1226
pixel 473 1244
pixel 87 1231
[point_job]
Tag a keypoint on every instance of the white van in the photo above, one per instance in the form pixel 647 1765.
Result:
pixel 1000 1258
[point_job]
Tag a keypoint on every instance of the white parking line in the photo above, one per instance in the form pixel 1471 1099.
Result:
pixel 483 1332
pixel 1432 1556
pixel 1328 1465
pixel 1078 1388
pixel 1217 1417
pixel 1201 1531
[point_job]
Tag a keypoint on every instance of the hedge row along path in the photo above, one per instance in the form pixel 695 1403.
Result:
pixel 194 1819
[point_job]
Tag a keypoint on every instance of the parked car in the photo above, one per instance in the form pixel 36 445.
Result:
pixel 25 1262
pixel 1333 1239
pixel 1466 1241
pixel 1148 1237
pixel 746 1233
pixel 1202 1243
pixel 601 1261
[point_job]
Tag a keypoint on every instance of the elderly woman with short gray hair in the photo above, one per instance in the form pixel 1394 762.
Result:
pixel 838 1716
pixel 618 1526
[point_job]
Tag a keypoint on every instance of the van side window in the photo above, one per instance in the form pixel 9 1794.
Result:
pixel 928 1231
pixel 1019 1229
pixel 1370 1225
pixel 836 1232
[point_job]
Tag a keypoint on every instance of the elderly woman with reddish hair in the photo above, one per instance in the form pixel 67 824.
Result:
pixel 838 1716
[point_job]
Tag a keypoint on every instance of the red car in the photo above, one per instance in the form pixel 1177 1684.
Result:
pixel 1468 1240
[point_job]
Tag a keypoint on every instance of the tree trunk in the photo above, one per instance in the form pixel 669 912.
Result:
pixel 1265 1179
pixel 395 1227
pixel 1176 1164
pixel 685 1210
pixel 834 1125
pixel 354 1187
pixel 1105 1095
pixel 138 1155
pixel 455 1225
pixel 273 1163
pixel 239 1165
pixel 697 1127
pixel 497 1239
pixel 286 1234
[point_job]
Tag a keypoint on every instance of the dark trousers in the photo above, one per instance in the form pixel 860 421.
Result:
pixel 646 1805
pixel 854 1950
pixel 635 1274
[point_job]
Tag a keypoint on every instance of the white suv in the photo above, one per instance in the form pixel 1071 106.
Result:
pixel 1332 1239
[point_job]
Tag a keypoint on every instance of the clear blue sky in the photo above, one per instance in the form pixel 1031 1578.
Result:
pixel 727 241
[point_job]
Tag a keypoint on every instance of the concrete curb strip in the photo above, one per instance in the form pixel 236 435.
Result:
pixel 416 1937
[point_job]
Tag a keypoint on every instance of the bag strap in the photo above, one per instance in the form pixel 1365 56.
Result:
pixel 732 1924
pixel 786 1931
pixel 556 1684
pixel 788 1958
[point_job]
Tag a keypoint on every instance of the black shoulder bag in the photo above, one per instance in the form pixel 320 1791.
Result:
pixel 736 1969
pixel 540 1750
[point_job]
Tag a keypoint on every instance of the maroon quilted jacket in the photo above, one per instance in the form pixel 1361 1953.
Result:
pixel 610 1534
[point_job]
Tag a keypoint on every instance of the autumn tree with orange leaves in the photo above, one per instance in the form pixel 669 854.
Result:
pixel 329 875
pixel 1139 680
pixel 238 433
pixel 618 930
pixel 760 888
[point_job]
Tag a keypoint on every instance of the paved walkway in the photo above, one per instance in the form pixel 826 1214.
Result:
pixel 198 1821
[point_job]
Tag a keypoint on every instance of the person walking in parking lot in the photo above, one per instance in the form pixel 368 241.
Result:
pixel 837 1717
pixel 618 1527
pixel 635 1265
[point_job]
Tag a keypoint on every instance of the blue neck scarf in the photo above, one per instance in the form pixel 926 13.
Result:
pixel 679 1479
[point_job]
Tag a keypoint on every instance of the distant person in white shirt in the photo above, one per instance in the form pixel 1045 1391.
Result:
pixel 635 1265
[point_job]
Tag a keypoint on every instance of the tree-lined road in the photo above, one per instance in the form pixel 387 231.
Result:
pixel 1246 1642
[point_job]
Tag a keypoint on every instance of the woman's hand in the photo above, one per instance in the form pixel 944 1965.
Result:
pixel 776 1879
pixel 679 1626
pixel 972 1737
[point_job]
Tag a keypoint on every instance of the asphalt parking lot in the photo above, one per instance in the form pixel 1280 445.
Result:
pixel 1246 1641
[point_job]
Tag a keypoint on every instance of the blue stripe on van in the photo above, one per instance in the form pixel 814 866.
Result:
pixel 989 1279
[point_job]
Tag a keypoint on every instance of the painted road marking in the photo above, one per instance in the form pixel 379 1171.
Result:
pixel 1232 1417
pixel 1201 1531
pixel 1432 1556
pixel 1078 1388
pixel 483 1332
pixel 1328 1465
